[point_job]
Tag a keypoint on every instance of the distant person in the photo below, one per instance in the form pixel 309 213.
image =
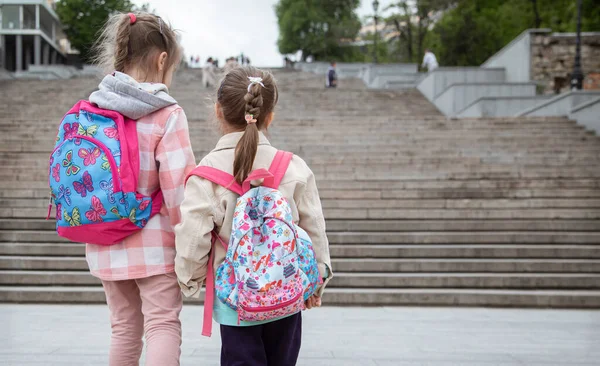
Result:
pixel 331 81
pixel 261 322
pixel 430 61
pixel 133 248
pixel 209 76
pixel 230 64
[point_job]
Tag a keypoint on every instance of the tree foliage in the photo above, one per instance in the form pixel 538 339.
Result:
pixel 412 19
pixel 316 27
pixel 83 19
pixel 474 30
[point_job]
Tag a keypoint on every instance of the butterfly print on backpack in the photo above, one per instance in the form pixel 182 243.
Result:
pixel 71 130
pixel 64 193
pixel 89 131
pixel 111 133
pixel 56 172
pixel 74 219
pixel 72 169
pixel 107 187
pixel 96 211
pixel 89 156
pixel 84 185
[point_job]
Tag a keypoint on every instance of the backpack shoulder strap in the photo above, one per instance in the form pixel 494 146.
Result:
pixel 209 295
pixel 217 176
pixel 279 166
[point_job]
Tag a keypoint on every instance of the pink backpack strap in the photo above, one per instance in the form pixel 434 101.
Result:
pixel 209 297
pixel 279 166
pixel 218 177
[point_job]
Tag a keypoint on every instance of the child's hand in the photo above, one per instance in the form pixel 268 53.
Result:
pixel 313 302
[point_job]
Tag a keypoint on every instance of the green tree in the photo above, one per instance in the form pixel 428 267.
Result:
pixel 474 30
pixel 412 20
pixel 316 27
pixel 82 19
pixel 401 19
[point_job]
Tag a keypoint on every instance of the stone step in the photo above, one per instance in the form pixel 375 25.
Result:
pixel 467 280
pixel 407 184
pixel 387 225
pixel 424 185
pixel 379 265
pixel 428 214
pixel 351 296
pixel 483 251
pixel 398 123
pixel 464 204
pixel 40 165
pixel 358 280
pixel 386 265
pixel 506 237
pixel 451 193
pixel 402 214
pixel 399 174
pixel 332 140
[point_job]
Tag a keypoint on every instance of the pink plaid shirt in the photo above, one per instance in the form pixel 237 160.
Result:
pixel 166 157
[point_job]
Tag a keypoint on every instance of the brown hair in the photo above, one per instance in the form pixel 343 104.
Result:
pixel 122 44
pixel 238 98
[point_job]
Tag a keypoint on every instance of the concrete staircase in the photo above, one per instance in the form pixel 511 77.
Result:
pixel 421 210
pixel 374 76
pixel 504 87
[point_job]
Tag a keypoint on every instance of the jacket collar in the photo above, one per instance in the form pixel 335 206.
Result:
pixel 231 140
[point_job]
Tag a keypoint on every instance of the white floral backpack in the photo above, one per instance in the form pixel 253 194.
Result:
pixel 270 267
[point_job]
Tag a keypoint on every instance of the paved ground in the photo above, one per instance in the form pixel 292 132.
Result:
pixel 52 335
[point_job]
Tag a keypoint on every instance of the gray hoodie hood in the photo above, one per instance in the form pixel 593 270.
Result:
pixel 120 92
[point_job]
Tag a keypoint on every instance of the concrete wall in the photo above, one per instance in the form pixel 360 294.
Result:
pixel 516 57
pixel 440 79
pixel 588 115
pixel 459 96
pixel 561 105
pixel 372 71
pixel 427 86
pixel 501 106
pixel 386 81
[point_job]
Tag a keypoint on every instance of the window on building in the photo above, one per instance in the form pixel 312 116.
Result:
pixel 10 17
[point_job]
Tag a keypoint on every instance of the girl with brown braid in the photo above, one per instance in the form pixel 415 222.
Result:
pixel 246 99
pixel 139 53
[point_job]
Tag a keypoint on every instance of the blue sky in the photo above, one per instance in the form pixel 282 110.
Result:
pixel 223 28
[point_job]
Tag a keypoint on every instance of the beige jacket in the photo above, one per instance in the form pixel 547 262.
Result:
pixel 207 205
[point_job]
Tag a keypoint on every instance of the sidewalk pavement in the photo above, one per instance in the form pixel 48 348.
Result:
pixel 79 335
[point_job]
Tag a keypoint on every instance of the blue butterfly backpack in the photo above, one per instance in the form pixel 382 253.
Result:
pixel 93 175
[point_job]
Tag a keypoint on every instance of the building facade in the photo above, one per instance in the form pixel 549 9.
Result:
pixel 30 34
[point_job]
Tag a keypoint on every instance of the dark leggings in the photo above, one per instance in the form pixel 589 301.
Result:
pixel 271 344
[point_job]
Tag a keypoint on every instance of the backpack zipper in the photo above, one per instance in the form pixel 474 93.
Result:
pixel 49 208
pixel 273 307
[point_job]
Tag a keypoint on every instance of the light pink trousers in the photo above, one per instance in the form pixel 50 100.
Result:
pixel 149 306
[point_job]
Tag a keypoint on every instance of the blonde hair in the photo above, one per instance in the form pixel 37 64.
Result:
pixel 123 44
pixel 238 97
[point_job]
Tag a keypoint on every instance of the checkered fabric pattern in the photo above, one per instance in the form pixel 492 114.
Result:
pixel 166 157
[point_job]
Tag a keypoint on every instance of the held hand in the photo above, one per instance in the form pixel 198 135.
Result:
pixel 313 302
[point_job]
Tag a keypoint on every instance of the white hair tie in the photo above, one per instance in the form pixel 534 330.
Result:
pixel 255 80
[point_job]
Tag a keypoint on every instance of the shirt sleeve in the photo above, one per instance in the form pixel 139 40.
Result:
pixel 312 221
pixel 175 160
pixel 193 237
